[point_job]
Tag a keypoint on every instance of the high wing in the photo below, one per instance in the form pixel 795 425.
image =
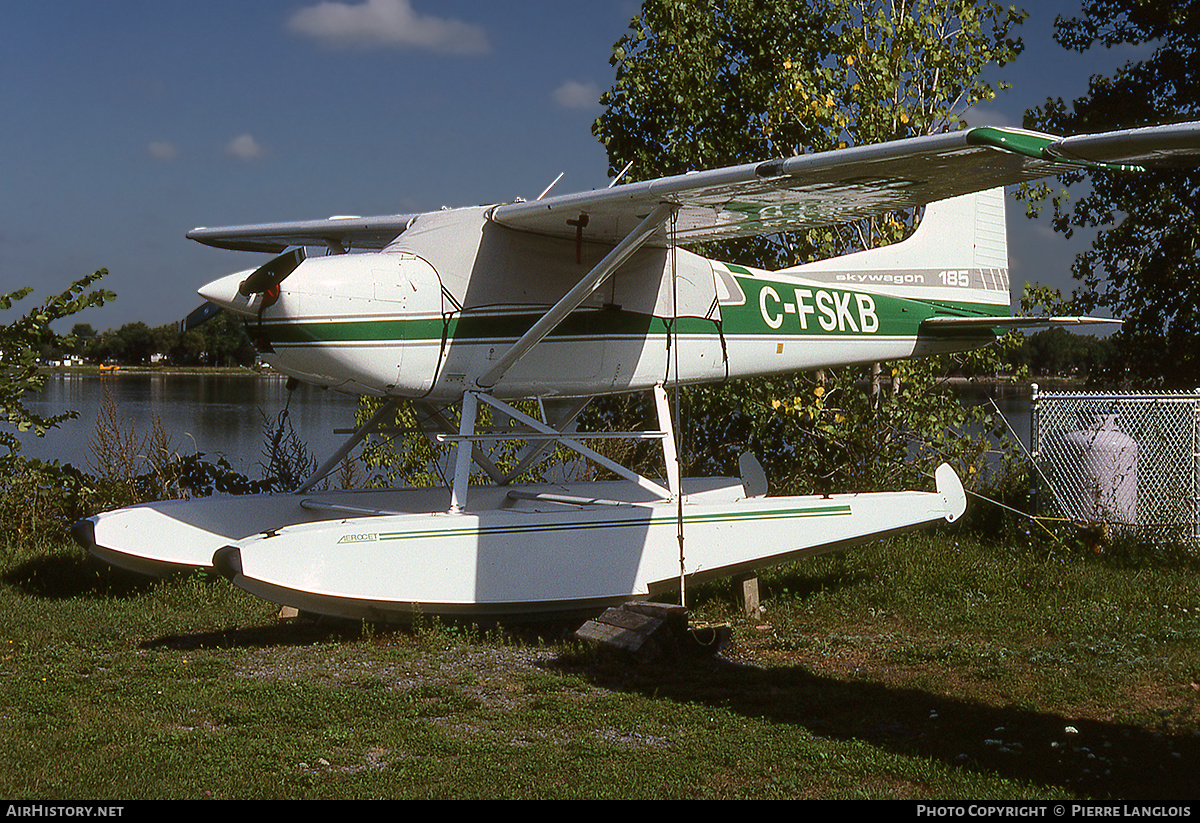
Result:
pixel 849 184
pixel 339 234
pixel 775 195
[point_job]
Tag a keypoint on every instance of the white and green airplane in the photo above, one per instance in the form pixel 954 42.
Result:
pixel 565 298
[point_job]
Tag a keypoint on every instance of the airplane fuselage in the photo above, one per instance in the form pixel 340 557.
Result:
pixel 430 315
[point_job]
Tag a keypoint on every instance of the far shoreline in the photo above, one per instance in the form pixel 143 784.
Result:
pixel 224 371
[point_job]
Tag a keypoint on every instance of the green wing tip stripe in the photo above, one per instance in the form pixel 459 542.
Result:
pixel 1020 142
pixel 1036 146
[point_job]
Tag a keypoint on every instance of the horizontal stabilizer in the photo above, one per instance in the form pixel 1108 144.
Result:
pixel 951 325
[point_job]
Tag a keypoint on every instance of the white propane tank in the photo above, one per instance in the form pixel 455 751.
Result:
pixel 1108 467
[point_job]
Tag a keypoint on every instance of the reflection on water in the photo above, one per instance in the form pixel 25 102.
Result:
pixel 218 414
pixel 222 414
pixel 1012 401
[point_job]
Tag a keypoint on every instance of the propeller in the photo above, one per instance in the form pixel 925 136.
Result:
pixel 264 280
pixel 231 292
pixel 271 274
pixel 199 316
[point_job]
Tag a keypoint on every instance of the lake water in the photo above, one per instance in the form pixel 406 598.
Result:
pixel 217 414
pixel 222 414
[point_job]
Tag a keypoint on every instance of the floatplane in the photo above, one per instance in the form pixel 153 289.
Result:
pixel 565 298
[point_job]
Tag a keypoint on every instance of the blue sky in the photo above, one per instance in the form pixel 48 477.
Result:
pixel 128 123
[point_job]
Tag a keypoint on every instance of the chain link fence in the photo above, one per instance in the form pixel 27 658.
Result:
pixel 1130 461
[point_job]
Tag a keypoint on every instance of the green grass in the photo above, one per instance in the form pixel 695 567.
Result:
pixel 930 667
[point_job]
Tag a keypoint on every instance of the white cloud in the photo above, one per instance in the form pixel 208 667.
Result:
pixel 244 147
pixel 163 150
pixel 575 95
pixel 387 23
pixel 985 116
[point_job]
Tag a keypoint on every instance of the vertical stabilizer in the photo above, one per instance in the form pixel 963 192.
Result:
pixel 959 254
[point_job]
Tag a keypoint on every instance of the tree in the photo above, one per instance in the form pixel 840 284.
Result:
pixel 82 334
pixel 706 83
pixel 20 344
pixel 1056 352
pixel 701 84
pixel 697 82
pixel 1144 263
pixel 226 342
pixel 222 341
pixel 135 343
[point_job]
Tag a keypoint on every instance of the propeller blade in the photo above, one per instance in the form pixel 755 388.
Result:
pixel 272 273
pixel 199 316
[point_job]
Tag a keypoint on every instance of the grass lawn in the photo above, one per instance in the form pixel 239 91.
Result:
pixel 932 666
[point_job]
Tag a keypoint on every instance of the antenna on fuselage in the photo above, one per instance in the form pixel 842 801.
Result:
pixel 545 190
pixel 617 179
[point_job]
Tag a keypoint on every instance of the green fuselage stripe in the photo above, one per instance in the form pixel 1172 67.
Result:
pixel 771 307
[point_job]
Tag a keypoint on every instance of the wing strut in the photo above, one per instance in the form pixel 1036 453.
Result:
pixel 536 430
pixel 362 431
pixel 571 301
